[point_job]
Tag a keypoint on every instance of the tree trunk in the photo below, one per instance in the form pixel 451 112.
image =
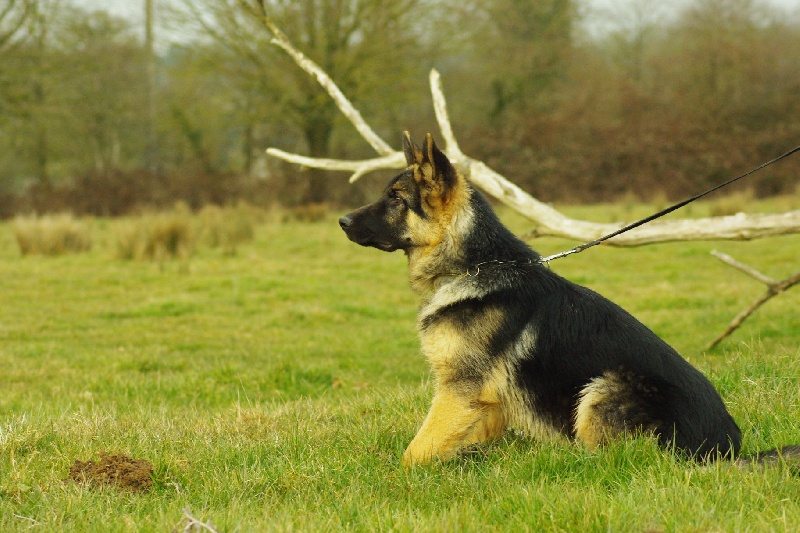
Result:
pixel 318 136
pixel 151 153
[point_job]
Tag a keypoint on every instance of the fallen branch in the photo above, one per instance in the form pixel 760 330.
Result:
pixel 359 168
pixel 774 288
pixel 190 524
pixel 345 106
pixel 549 221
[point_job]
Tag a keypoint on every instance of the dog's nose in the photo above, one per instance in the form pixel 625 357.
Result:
pixel 345 222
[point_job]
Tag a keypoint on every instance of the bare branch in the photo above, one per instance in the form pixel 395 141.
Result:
pixel 189 523
pixel 440 109
pixel 346 107
pixel 549 221
pixel 739 227
pixel 13 17
pixel 750 271
pixel 774 288
pixel 359 168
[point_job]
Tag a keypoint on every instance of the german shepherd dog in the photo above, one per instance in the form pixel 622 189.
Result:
pixel 512 344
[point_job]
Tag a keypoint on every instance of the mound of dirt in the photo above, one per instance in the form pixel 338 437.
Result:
pixel 118 471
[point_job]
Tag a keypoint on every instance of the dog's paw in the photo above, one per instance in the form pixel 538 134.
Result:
pixel 409 460
pixel 417 455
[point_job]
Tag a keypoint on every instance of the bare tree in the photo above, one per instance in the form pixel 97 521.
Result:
pixel 549 221
pixel 13 17
pixel 360 42
pixel 635 22
pixel 149 44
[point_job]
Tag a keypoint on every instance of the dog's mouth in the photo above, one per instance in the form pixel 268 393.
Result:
pixel 370 242
pixel 385 246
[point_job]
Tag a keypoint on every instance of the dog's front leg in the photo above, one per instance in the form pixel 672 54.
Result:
pixel 455 419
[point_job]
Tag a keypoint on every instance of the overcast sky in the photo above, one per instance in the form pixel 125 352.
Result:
pixel 134 9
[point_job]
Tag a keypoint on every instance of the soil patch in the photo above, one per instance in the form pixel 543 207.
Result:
pixel 118 471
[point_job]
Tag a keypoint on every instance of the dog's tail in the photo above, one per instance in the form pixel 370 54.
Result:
pixel 785 455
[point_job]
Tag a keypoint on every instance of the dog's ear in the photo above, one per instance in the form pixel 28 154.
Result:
pixel 411 150
pixel 441 168
pixel 433 156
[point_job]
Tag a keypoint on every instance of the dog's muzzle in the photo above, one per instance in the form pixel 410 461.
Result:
pixel 359 234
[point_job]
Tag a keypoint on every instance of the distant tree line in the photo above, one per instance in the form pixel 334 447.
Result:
pixel 651 102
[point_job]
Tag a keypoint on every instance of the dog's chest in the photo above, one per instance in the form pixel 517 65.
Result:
pixel 454 329
pixel 444 346
pixel 457 329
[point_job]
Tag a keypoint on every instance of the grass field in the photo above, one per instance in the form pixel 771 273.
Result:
pixel 275 390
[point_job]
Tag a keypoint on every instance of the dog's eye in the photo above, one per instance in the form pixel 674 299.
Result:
pixel 395 199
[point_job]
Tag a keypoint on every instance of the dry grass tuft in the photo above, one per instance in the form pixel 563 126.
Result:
pixel 51 235
pixel 731 204
pixel 307 213
pixel 228 227
pixel 158 236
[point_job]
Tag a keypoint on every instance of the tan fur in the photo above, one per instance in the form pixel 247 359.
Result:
pixel 427 265
pixel 515 408
pixel 450 423
pixel 605 404
pixel 589 428
pixel 438 238
pixel 446 346
pixel 460 415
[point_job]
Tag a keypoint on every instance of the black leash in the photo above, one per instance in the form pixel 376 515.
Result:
pixel 663 212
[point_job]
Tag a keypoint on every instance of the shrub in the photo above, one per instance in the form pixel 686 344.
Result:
pixel 51 235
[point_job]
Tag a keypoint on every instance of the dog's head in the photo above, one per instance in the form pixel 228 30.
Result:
pixel 416 206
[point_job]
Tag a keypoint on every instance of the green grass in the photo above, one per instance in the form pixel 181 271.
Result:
pixel 276 390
